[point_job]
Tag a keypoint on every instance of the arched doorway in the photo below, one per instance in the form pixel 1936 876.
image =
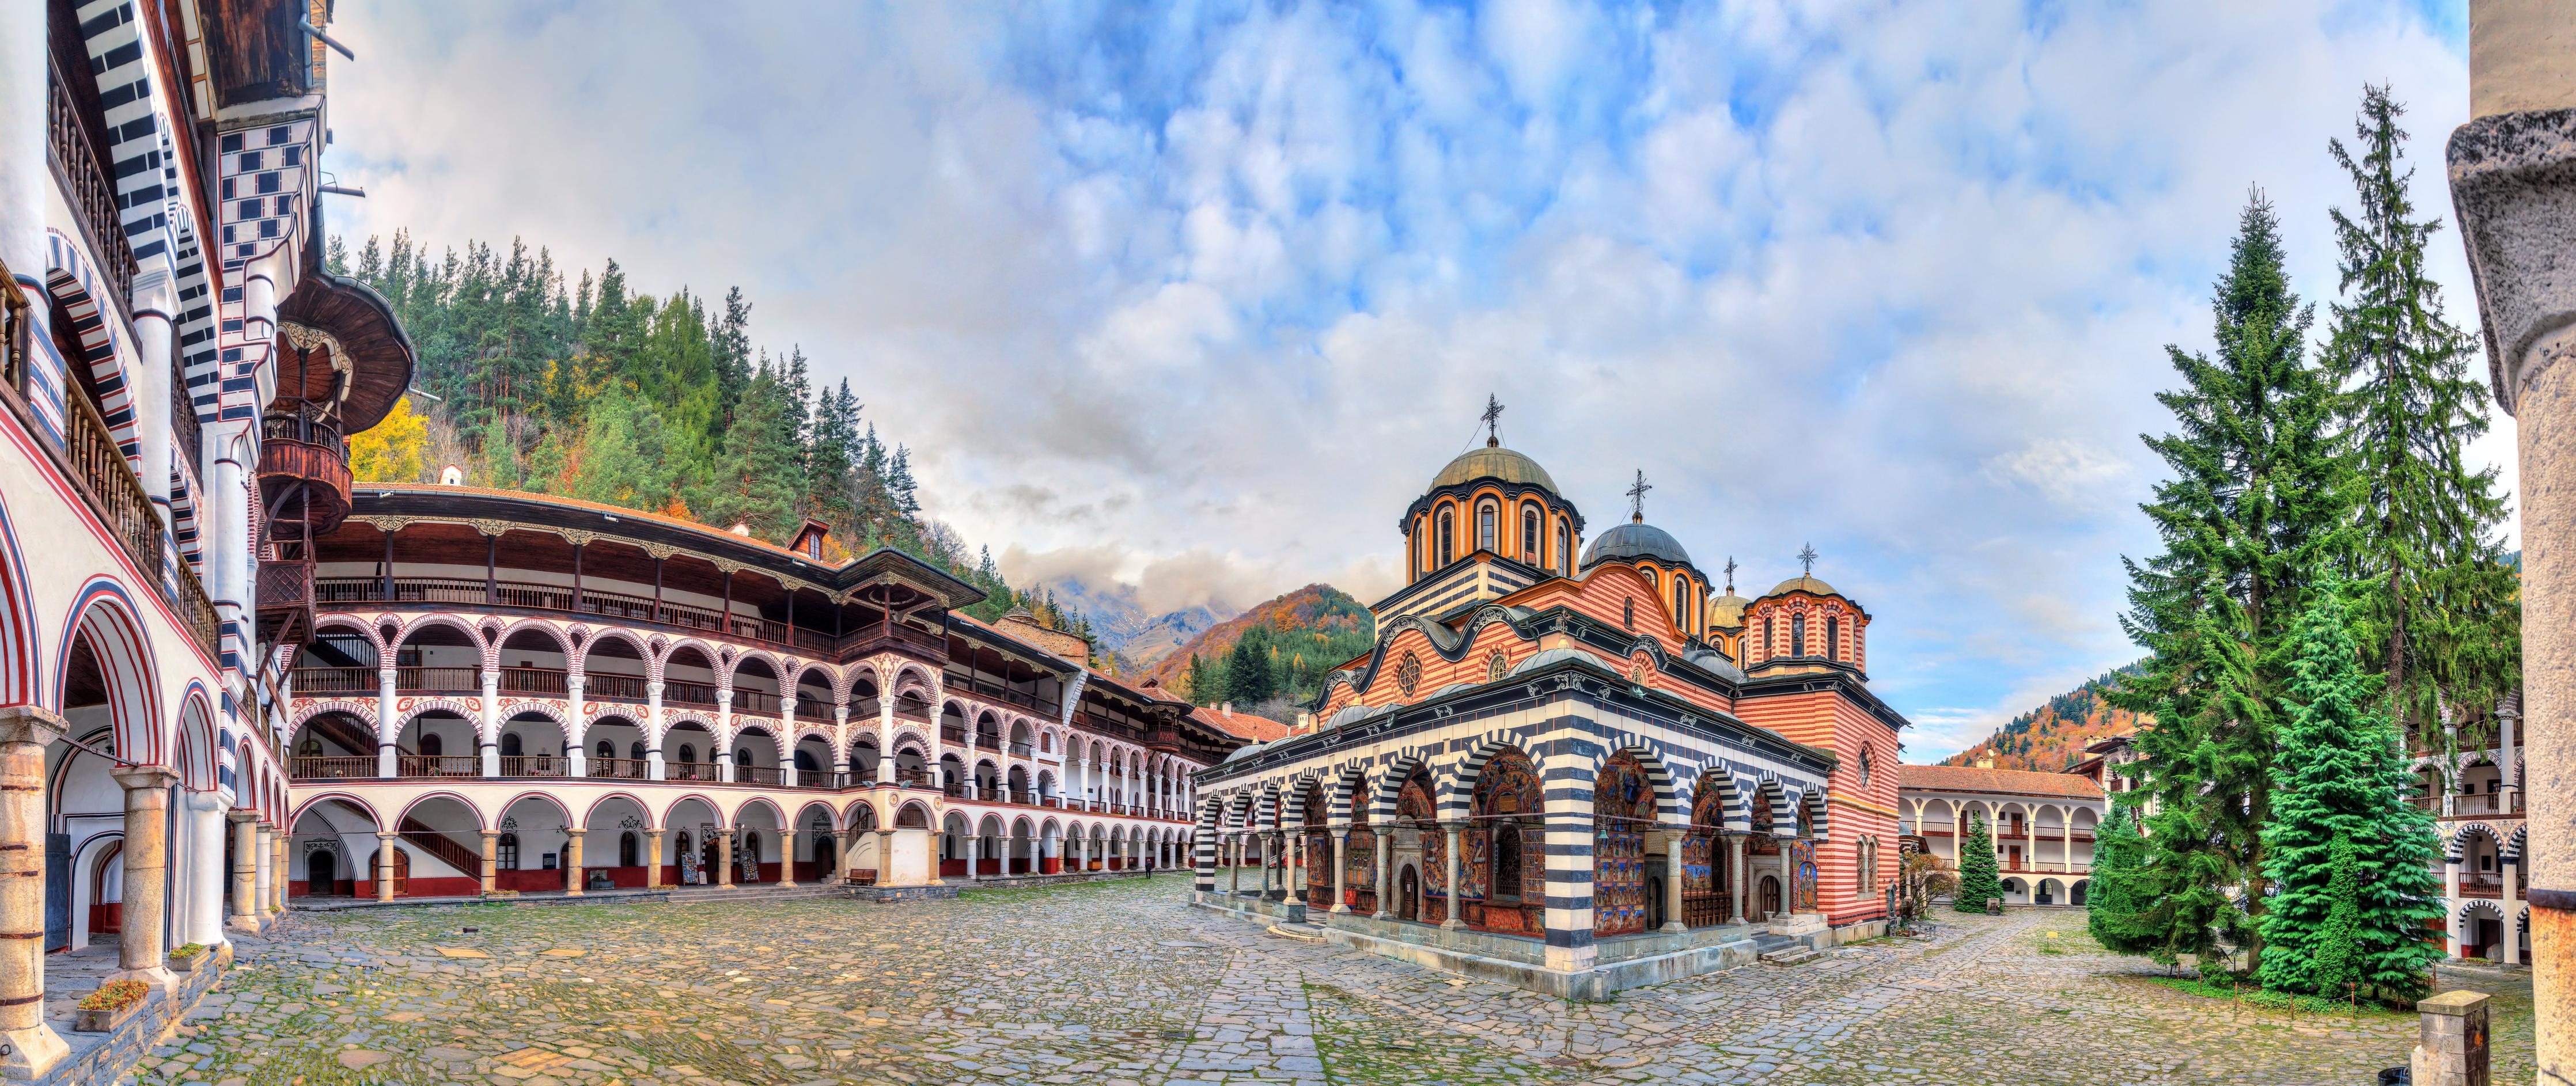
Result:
pixel 1408 895
pixel 322 873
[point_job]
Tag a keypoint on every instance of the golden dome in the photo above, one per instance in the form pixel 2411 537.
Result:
pixel 1727 611
pixel 1494 462
pixel 1806 584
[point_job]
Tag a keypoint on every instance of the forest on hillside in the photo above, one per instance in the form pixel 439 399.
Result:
pixel 2052 737
pixel 1272 659
pixel 661 402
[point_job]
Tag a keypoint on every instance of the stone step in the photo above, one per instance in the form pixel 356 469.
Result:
pixel 1306 932
pixel 1791 955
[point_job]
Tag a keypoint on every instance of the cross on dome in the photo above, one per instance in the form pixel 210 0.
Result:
pixel 1637 498
pixel 1730 574
pixel 1492 419
pixel 1807 558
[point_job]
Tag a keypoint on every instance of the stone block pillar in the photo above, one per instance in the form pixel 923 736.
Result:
pixel 246 862
pixel 572 863
pixel 2513 185
pixel 33 1048
pixel 1456 920
pixel 724 859
pixel 1673 882
pixel 271 872
pixel 787 856
pixel 1743 879
pixel 141 954
pixel 277 873
pixel 1341 877
pixel 1385 876
pixel 489 871
pixel 386 843
pixel 2451 1040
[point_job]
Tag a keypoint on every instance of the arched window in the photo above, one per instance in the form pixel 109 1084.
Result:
pixel 742 756
pixel 1485 529
pixel 432 746
pixel 505 852
pixel 1448 536
pixel 1628 612
pixel 688 754
pixel 510 747
pixel 635 750
pixel 1798 635
pixel 1495 666
pixel 1529 533
pixel 1833 637
pixel 1414 543
pixel 1767 643
pixel 1681 602
pixel 607 750
pixel 1564 546
pixel 1864 767
pixel 626 846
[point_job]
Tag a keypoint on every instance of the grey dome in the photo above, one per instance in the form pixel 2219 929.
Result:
pixel 1634 540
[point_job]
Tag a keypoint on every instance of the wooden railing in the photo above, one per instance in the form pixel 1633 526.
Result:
pixel 439 765
pixel 600 685
pixel 617 769
pixel 752 774
pixel 542 681
pixel 92 192
pixel 688 771
pixel 335 680
pixel 678 692
pixel 331 768
pixel 535 766
pixel 897 637
pixel 187 431
pixel 818 710
pixel 758 702
pixel 2487 803
pixel 438 680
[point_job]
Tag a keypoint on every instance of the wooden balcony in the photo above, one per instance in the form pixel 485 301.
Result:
pixel 286 602
pixel 295 448
pixel 74 141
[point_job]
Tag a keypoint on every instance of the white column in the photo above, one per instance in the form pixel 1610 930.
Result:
pixel 2451 906
pixel 386 727
pixel 489 735
pixel 842 748
pixel 572 712
pixel 2512 934
pixel 206 870
pixel 653 720
pixel 153 304
pixel 973 846
pixel 787 728
pixel 228 549
pixel 724 739
pixel 268 878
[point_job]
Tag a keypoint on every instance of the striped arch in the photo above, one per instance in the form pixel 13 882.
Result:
pixel 671 719
pixel 99 353
pixel 1388 784
pixel 1292 803
pixel 363 710
pixel 553 632
pixel 658 668
pixel 831 817
pixel 1470 767
pixel 483 646
pixel 2476 908
pixel 915 677
pixel 104 615
pixel 502 812
pixel 1236 807
pixel 198 746
pixel 1817 813
pixel 20 672
pixel 860 815
pixel 481 822
pixel 1265 806
pixel 2457 848
pixel 593 810
pixel 1775 799
pixel 833 680
pixel 1341 789
pixel 1733 815
pixel 1669 809
pixel 919 736
pixel 513 710
pixel 2511 853
pixel 777 737
pixel 778 665
pixel 350 798
pixel 373 635
pixel 713 811
pixel 580 657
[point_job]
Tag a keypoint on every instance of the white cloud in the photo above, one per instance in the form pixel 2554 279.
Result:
pixel 1199 301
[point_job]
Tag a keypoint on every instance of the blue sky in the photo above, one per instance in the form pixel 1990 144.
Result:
pixel 1196 297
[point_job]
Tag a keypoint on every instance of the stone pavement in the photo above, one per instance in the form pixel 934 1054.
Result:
pixel 1121 983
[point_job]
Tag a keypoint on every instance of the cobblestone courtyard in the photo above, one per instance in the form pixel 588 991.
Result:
pixel 1122 983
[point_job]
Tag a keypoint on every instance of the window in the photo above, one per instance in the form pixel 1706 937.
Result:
pixel 635 750
pixel 1798 635
pixel 1408 673
pixel 1833 637
pixel 1529 533
pixel 1495 667
pixel 607 750
pixel 505 852
pixel 432 746
pixel 1628 612
pixel 1413 543
pixel 688 754
pixel 1681 602
pixel 626 848
pixel 1767 642
pixel 1564 546
pixel 510 747
pixel 1485 529
pixel 1447 535
pixel 1864 767
pixel 1507 862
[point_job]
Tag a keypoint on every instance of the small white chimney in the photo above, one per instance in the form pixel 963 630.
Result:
pixel 741 528
pixel 1227 708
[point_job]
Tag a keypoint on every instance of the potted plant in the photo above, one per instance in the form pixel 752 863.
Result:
pixel 187 958
pixel 102 1011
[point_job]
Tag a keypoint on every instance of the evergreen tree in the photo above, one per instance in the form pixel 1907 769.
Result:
pixel 2443 607
pixel 1977 882
pixel 2258 499
pixel 2335 966
pixel 1249 679
pixel 2111 904
pixel 2339 777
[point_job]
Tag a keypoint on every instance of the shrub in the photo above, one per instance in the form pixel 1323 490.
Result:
pixel 190 950
pixel 115 995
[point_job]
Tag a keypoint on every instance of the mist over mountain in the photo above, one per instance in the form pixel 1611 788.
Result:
pixel 1120 627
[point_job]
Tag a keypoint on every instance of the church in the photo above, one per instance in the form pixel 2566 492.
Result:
pixel 1575 772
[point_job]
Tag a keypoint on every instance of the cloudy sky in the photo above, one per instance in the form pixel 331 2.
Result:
pixel 1196 299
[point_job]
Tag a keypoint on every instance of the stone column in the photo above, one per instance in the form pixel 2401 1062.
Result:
pixel 2513 185
pixel 572 863
pixel 490 869
pixel 1234 865
pixel 147 862
pixel 787 854
pixel 1293 881
pixel 1743 879
pixel 205 923
pixel 575 762
pixel 2451 907
pixel 32 1047
pixel 653 858
pixel 385 865
pixel 246 905
pixel 272 872
pixel 386 727
pixel 787 758
pixel 1457 918
pixel 2512 937
pixel 2451 1041
pixel 1341 880
pixel 1385 877
pixel 1788 880
pixel 277 868
pixel 488 731
pixel 724 859
pixel 1673 882
pixel 724 739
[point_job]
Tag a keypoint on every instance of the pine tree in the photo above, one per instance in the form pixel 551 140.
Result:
pixel 2443 609
pixel 2111 903
pixel 2258 500
pixel 1977 882
pixel 2335 967
pixel 2338 775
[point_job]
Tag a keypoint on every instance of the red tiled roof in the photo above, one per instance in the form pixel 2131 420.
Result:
pixel 1258 729
pixel 2010 782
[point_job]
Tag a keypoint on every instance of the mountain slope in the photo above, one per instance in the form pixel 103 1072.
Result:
pixel 1316 621
pixel 2053 736
pixel 1122 627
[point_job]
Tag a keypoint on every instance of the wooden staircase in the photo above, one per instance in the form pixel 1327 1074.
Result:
pixel 467 861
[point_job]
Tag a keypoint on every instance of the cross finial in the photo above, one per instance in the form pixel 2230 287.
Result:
pixel 1492 418
pixel 1637 498
pixel 1807 558
pixel 1730 574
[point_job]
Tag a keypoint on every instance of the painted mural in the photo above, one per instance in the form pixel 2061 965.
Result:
pixel 1623 808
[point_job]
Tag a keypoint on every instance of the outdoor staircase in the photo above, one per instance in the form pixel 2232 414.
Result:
pixel 1783 950
pixel 466 861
